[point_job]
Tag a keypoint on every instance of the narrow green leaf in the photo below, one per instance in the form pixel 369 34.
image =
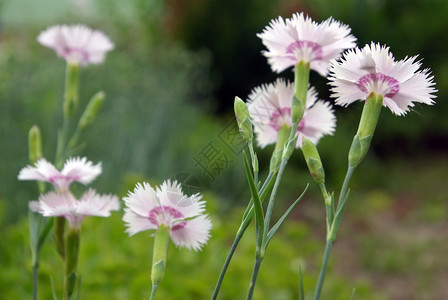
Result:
pixel 280 221
pixel 78 290
pixel 259 216
pixel 45 231
pixel 301 289
pixel 338 218
pixel 53 291
pixel 353 294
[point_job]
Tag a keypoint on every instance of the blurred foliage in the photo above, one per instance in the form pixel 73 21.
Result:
pixel 118 267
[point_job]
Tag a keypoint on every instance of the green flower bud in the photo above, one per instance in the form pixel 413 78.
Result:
pixel 282 138
pixel 91 111
pixel 297 110
pixel 243 119
pixel 290 147
pixel 34 144
pixel 71 89
pixel 366 129
pixel 313 161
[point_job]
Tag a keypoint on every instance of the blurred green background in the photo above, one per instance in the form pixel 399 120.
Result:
pixel 170 85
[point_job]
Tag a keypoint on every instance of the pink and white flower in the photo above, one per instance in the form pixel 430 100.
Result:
pixel 302 39
pixel 75 169
pixel 185 215
pixel 270 109
pixel 77 44
pixel 374 69
pixel 66 205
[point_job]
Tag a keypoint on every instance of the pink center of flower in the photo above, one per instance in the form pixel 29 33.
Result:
pixel 281 117
pixel 377 79
pixel 166 215
pixel 316 49
pixel 77 54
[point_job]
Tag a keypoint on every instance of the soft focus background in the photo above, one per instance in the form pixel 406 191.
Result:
pixel 170 85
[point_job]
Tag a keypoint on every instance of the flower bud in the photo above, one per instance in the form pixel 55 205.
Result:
pixel 366 129
pixel 34 144
pixel 297 110
pixel 71 89
pixel 313 161
pixel 243 119
pixel 91 111
pixel 290 146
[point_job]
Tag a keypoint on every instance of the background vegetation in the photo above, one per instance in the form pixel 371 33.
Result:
pixel 170 85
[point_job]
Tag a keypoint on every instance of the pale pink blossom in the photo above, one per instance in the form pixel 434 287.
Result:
pixel 270 109
pixel 77 43
pixel 74 169
pixel 147 209
pixel 66 205
pixel 374 69
pixel 302 39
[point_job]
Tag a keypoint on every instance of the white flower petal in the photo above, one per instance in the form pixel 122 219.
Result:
pixel 77 43
pixel 270 109
pixel 81 170
pixel 374 69
pixel 194 235
pixel 148 209
pixel 300 38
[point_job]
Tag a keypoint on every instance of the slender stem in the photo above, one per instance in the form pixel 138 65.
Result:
pixel 344 188
pixel 273 195
pixel 329 205
pixel 323 270
pixel 226 265
pixel 153 291
pixel 59 235
pixel 61 143
pixel 331 239
pixel 253 279
pixel 244 224
pixel 35 280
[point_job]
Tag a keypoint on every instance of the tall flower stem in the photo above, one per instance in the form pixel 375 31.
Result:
pixel 159 257
pixel 35 281
pixel 71 261
pixel 244 224
pixel 253 279
pixel 332 233
pixel 301 81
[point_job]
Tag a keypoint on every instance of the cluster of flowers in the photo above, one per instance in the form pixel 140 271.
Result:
pixel 147 208
pixel 359 73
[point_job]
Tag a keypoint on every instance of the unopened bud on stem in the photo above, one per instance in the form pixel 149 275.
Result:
pixel 91 111
pixel 243 119
pixel 34 144
pixel 313 160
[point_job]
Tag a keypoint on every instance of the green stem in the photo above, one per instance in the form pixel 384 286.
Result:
pixel 71 261
pixel 329 205
pixel 332 233
pixel 244 224
pixel 323 270
pixel 153 292
pixel 274 195
pixel 35 280
pixel 159 257
pixel 61 143
pixel 226 264
pixel 59 233
pixel 344 188
pixel 253 279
